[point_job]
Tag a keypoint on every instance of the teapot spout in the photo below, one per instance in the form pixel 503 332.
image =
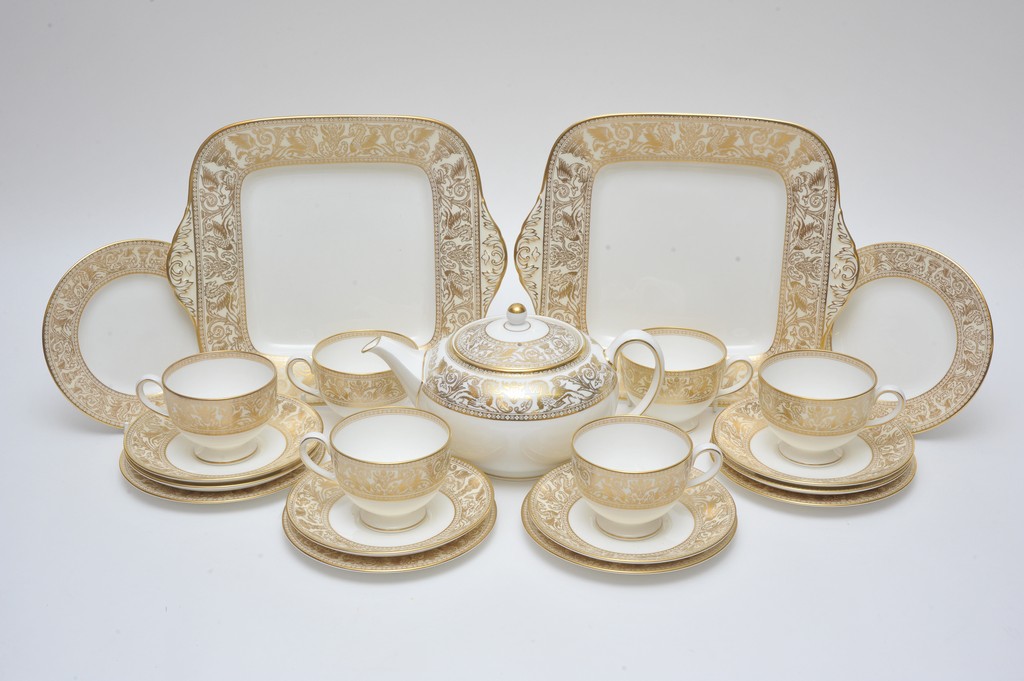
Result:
pixel 405 362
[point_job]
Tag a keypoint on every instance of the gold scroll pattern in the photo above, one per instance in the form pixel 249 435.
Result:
pixel 819 260
pixel 206 264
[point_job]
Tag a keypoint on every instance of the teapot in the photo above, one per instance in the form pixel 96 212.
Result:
pixel 514 389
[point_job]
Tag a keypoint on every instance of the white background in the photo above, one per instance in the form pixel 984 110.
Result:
pixel 102 109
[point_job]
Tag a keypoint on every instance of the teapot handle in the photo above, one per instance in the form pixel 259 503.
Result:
pixel 637 336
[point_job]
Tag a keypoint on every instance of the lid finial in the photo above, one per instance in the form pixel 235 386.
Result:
pixel 517 315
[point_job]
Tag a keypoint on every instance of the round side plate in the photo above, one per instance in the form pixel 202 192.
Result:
pixel 972 322
pixel 64 315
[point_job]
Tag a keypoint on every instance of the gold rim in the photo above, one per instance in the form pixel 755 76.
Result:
pixel 486 227
pixel 838 500
pixel 691 333
pixel 155 489
pixel 823 354
pixel 146 440
pixel 941 402
pixel 891 444
pixel 618 568
pixel 834 276
pixel 819 491
pixel 552 497
pixel 371 334
pixel 642 420
pixel 307 509
pixel 64 361
pixel 208 488
pixel 384 411
pixel 407 563
pixel 215 355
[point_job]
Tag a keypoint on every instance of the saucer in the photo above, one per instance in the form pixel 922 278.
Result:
pixel 153 488
pixel 323 513
pixel 209 488
pixel 158 449
pixel 407 563
pixel 822 491
pixel 700 520
pixel 750 446
pixel 620 568
pixel 852 499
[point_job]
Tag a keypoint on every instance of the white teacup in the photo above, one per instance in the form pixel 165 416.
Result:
pixel 390 461
pixel 347 379
pixel 816 401
pixel 696 366
pixel 220 401
pixel 632 469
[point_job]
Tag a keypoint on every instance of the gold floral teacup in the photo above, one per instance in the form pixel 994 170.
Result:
pixel 696 367
pixel 816 401
pixel 347 379
pixel 390 461
pixel 220 401
pixel 632 469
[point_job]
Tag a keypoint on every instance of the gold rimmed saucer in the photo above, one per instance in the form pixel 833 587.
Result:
pixel 619 568
pixel 209 488
pixel 322 513
pixel 153 488
pixel 704 516
pixel 157 449
pixel 406 563
pixel 750 446
pixel 802 499
pixel 821 491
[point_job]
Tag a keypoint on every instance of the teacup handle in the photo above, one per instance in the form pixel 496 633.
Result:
pixel 296 381
pixel 715 454
pixel 140 390
pixel 739 384
pixel 900 398
pixel 637 336
pixel 312 465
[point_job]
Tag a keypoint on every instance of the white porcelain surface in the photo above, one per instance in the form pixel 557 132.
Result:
pixel 675 526
pixel 902 328
pixel 765 447
pixel 219 378
pixel 817 378
pixel 344 518
pixel 346 354
pixel 320 222
pixel 632 447
pixel 270 443
pixel 684 244
pixel 389 438
pixel 131 327
pixel 514 447
pixel 638 446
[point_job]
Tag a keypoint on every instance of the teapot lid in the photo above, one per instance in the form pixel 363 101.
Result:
pixel 518 344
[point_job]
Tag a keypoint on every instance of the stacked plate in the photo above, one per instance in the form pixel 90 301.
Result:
pixel 158 460
pixel 877 464
pixel 321 521
pixel 698 527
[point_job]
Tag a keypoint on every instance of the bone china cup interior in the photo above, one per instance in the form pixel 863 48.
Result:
pixel 390 461
pixel 220 401
pixel 816 401
pixel 347 379
pixel 633 469
pixel 695 366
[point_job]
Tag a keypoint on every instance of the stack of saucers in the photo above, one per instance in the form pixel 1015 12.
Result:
pixel 876 464
pixel 560 521
pixel 321 521
pixel 160 461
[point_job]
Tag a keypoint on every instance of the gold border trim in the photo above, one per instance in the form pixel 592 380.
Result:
pixel 61 349
pixel 408 563
pixel 968 307
pixel 836 500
